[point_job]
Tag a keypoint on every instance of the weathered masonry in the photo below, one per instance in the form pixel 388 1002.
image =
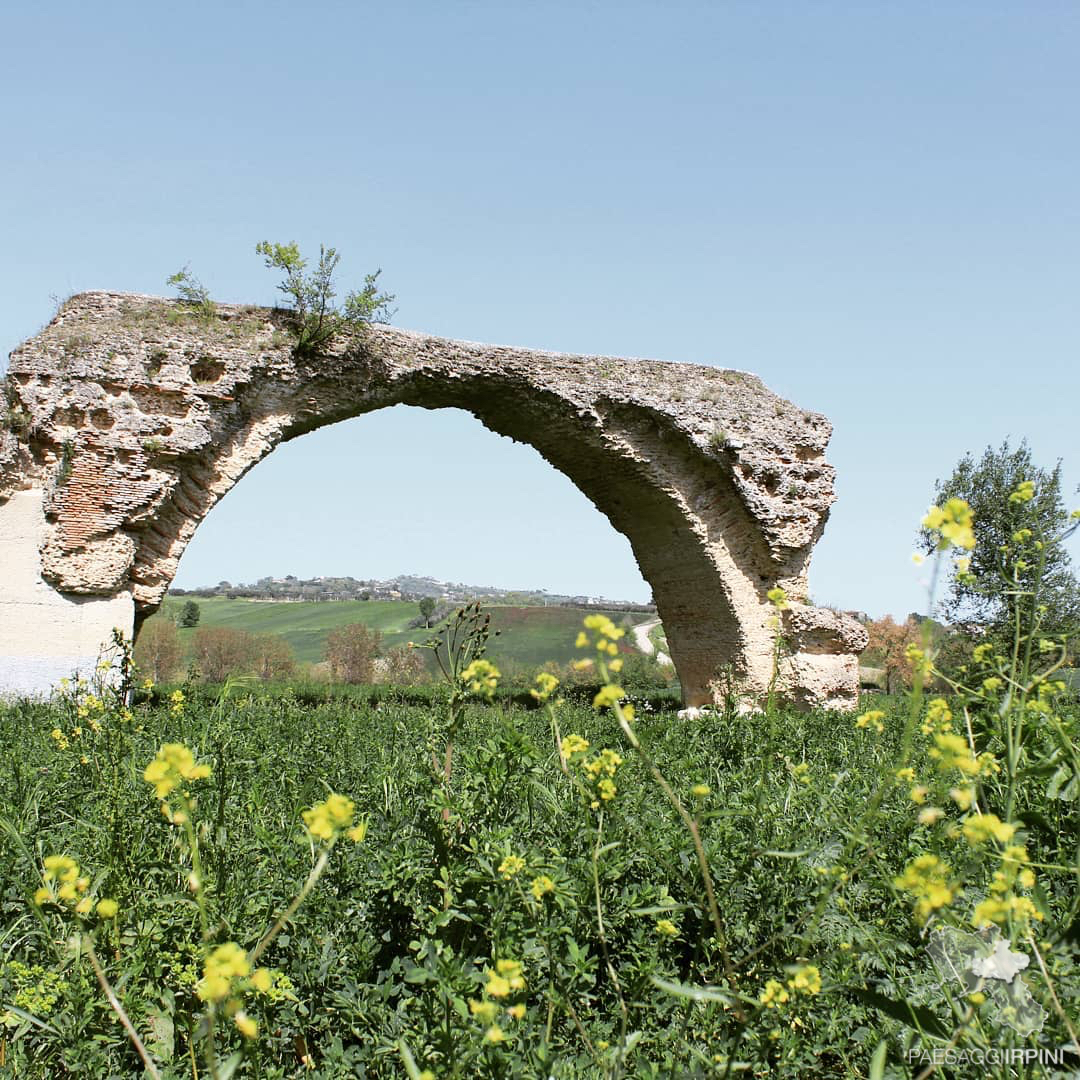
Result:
pixel 129 417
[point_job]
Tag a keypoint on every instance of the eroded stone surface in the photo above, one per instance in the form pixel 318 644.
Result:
pixel 133 417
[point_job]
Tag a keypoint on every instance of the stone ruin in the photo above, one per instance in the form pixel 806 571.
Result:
pixel 128 417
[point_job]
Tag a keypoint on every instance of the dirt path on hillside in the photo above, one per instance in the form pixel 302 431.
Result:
pixel 641 639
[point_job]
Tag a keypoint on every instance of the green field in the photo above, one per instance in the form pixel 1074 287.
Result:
pixel 528 636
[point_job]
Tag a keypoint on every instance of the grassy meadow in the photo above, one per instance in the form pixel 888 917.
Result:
pixel 469 879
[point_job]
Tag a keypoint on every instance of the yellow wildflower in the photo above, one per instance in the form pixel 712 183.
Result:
pixel 666 928
pixel 805 979
pixel 247 1027
pixel 516 1012
pixel 485 1010
pixel 545 686
pixel 938 717
pixel 952 752
pixel 495 1034
pixel 511 866
pixel 930 814
pixel 952 523
pixel 926 878
pixel 774 995
pixel 481 677
pixel 174 764
pixel 1024 492
pixel 60 868
pixel 873 718
pixel 574 744
pixel 983 827
pixel 700 791
pixel 511 970
pixel 608 695
pixel 226 963
pixel 603 626
pixel 326 819
pixel 541 885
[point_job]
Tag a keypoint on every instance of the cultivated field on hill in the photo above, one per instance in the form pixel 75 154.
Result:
pixel 529 636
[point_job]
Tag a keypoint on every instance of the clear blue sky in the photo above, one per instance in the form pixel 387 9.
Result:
pixel 876 207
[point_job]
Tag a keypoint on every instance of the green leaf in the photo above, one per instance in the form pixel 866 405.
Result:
pixel 877 1062
pixel 31 1018
pixel 407 1059
pixel 226 1071
pixel 693 993
pixel 918 1017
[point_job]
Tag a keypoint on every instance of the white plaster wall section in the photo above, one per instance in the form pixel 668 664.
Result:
pixel 46 635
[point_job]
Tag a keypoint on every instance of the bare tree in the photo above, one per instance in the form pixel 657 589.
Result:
pixel 351 652
pixel 158 650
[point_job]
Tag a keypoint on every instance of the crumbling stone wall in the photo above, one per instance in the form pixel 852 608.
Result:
pixel 130 416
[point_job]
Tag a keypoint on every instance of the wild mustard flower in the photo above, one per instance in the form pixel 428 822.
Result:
pixel 927 879
pixel 574 744
pixel 774 995
pixel 505 979
pixel 246 1026
pixel 952 523
pixel 603 627
pixel 996 910
pixel 963 797
pixel 805 979
pixel 545 686
pixel 516 1012
pixel 223 967
pixel 778 598
pixel 666 928
pixel 982 827
pixel 486 1011
pixel 481 677
pixel 173 765
pixel 511 866
pixel 107 909
pixel 495 1034
pixel 608 695
pixel 176 702
pixel 952 752
pixel 325 821
pixel 541 886
pixel 929 815
pixel 1023 492
pixel 874 718
pixel 701 791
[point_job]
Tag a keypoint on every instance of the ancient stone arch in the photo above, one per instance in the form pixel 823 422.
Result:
pixel 129 417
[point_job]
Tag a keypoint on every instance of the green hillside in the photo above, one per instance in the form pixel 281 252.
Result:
pixel 529 636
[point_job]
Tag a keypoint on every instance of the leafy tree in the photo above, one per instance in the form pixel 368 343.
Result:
pixel 351 651
pixel 189 614
pixel 427 606
pixel 157 649
pixel 193 293
pixel 1019 564
pixel 888 648
pixel 311 296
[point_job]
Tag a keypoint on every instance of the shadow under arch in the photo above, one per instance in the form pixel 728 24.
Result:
pixel 719 485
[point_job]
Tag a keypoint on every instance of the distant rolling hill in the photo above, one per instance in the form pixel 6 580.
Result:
pixel 530 636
